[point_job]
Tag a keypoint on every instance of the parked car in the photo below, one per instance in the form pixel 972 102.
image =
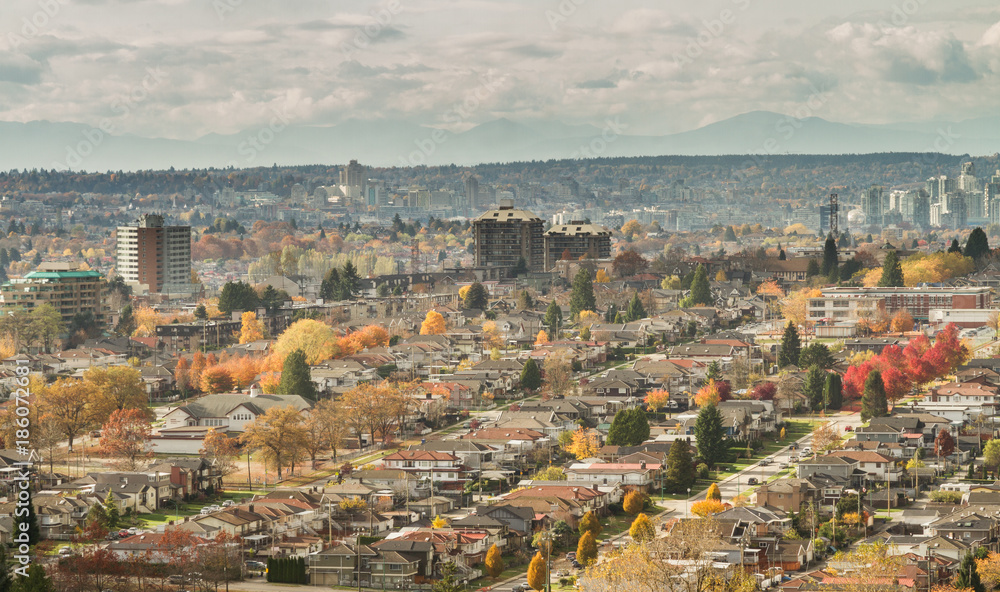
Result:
pixel 133 530
pixel 65 552
pixel 848 428
pixel 228 503
pixel 112 536
pixel 256 565
pixel 571 556
pixel 123 533
pixel 764 462
pixel 752 481
pixel 176 579
pixel 806 451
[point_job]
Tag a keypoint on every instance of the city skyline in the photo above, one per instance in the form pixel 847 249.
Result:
pixel 184 69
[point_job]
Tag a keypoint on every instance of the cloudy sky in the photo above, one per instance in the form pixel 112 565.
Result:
pixel 185 68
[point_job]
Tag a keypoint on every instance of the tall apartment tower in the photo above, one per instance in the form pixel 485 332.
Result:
pixel 505 235
pixel 922 209
pixel 472 192
pixel 580 239
pixel 872 206
pixel 354 174
pixel 154 257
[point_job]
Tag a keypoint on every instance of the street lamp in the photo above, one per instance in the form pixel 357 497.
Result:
pixel 686 500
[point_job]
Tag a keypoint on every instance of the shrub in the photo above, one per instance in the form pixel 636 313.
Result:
pixel 702 471
pixel 947 497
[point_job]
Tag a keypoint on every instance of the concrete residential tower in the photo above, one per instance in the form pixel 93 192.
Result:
pixel 155 258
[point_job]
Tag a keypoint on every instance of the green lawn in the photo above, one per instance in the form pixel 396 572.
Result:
pixel 171 512
pixel 510 570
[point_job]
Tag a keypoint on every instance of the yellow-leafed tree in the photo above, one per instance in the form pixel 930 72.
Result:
pixel 584 444
pixel 642 529
pixel 536 572
pixel 439 522
pixel 252 329
pixel 542 338
pixel 433 324
pixel 590 523
pixel 634 502
pixel 706 508
pixel 713 493
pixel 601 277
pixel 494 562
pixel 586 549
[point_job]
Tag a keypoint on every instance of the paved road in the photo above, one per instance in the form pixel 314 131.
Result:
pixel 738 483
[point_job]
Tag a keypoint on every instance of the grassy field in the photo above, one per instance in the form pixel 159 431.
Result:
pixel 184 509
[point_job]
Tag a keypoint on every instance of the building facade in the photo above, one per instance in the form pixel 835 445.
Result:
pixel 917 301
pixel 580 239
pixel 505 235
pixel 70 291
pixel 155 258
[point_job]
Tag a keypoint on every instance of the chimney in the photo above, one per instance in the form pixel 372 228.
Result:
pixel 251 508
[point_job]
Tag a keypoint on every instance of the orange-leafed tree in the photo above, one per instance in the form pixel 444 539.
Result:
pixel 197 367
pixel 63 404
pixel 634 502
pixel 433 324
pixel 216 380
pixel 901 322
pixel 708 394
pixel 657 399
pixel 125 438
pixel 537 572
pixel 542 338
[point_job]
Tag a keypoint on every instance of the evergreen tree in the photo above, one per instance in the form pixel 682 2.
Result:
pixel 848 269
pixel 714 371
pixel 709 436
pixel 967 577
pixel 112 515
pixel 790 350
pixel 812 268
pixel 954 248
pixel 521 268
pixel 296 378
pixel 31 520
pixel 553 319
pixel 730 235
pixel 873 401
pixel 126 322
pixel 524 301
pixel 636 310
pixel 201 313
pixel 978 245
pixel 818 354
pixel 687 280
pixel 477 297
pixel 680 467
pixel 701 294
pixel 36 581
pixel 830 259
pixel 382 291
pixel 781 255
pixel 4 259
pixel 582 297
pixel 630 427
pixel 612 313
pixel 531 377
pixel 6 579
pixel 350 282
pixel 892 271
pixel 36 260
pixel 833 391
pixel 237 296
pixel 330 286
pixel 813 385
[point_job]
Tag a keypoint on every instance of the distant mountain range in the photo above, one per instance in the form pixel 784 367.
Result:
pixel 43 144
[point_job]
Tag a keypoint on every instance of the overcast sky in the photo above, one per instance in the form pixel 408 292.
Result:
pixel 185 68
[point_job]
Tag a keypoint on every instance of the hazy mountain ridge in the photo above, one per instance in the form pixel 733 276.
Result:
pixel 43 144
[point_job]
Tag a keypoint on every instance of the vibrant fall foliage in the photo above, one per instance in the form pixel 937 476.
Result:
pixel 657 399
pixel 251 329
pixel 706 508
pixel 642 529
pixel 542 338
pixel 433 324
pixel 634 502
pixel 584 444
